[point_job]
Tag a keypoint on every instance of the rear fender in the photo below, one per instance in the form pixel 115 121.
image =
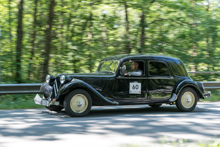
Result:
pixel 188 83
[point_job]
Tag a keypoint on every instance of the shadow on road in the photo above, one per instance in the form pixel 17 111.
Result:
pixel 126 110
pixel 114 111
pixel 203 122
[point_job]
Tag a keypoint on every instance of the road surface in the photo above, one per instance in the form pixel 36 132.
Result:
pixel 108 126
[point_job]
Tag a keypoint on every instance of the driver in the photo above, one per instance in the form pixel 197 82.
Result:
pixel 136 71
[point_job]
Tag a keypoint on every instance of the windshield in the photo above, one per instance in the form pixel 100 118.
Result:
pixel 109 66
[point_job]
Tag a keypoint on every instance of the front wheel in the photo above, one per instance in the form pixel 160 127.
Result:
pixel 78 103
pixel 187 100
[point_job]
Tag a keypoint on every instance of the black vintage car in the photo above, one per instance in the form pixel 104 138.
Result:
pixel 123 80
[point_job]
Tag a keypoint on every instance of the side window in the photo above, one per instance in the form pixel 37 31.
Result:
pixel 158 69
pixel 132 68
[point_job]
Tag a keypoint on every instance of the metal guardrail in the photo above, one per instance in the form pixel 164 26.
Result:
pixel 35 87
pixel 211 85
pixel 20 88
pixel 204 72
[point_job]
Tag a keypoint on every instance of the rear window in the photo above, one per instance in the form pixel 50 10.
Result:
pixel 158 69
pixel 178 68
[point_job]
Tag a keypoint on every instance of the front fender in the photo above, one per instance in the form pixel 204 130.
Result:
pixel 188 83
pixel 79 84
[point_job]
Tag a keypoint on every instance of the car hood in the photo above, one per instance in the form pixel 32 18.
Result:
pixel 96 80
pixel 89 75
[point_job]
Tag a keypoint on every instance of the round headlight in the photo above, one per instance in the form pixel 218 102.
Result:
pixel 48 78
pixel 62 79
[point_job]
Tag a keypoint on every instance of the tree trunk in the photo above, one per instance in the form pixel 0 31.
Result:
pixel 0 61
pixel 61 35
pixel 89 44
pixel 10 35
pixel 104 36
pixel 127 37
pixel 19 41
pixel 9 21
pixel 142 37
pixel 194 42
pixel 33 40
pixel 211 38
pixel 84 27
pixel 207 33
pixel 48 39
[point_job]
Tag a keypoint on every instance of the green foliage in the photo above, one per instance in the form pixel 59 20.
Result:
pixel 84 32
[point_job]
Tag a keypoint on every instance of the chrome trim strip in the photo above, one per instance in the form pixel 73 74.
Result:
pixel 138 78
pixel 161 77
pixel 144 78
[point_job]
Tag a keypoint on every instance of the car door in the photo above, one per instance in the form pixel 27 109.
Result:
pixel 160 81
pixel 131 89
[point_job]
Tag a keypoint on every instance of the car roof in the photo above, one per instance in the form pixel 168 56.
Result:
pixel 139 57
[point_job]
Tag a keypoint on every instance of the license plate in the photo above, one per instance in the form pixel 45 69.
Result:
pixel 44 102
pixel 38 100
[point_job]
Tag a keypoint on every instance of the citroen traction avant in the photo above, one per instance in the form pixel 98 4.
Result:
pixel 162 80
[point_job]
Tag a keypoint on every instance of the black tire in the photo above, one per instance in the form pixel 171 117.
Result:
pixel 187 100
pixel 78 103
pixel 155 105
pixel 54 108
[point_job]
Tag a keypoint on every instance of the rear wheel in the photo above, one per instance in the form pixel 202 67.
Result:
pixel 54 108
pixel 78 103
pixel 187 100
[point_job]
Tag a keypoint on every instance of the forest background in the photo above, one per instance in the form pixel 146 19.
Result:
pixel 40 37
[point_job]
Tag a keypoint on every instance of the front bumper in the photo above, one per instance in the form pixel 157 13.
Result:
pixel 207 95
pixel 45 102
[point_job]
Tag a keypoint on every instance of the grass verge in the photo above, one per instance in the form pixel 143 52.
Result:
pixel 26 101
pixel 215 96
pixel 18 101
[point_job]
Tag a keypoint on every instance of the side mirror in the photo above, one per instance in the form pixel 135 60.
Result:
pixel 123 70
pixel 123 67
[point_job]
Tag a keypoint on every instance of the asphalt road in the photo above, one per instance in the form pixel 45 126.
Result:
pixel 111 126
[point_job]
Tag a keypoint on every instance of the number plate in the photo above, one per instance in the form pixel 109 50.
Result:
pixel 44 102
pixel 135 88
pixel 38 100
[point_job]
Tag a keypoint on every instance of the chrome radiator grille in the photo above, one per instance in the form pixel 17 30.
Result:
pixel 56 87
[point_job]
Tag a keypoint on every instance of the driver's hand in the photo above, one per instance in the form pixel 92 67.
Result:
pixel 126 74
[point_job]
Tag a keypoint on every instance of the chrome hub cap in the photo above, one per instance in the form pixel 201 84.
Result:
pixel 79 103
pixel 188 99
